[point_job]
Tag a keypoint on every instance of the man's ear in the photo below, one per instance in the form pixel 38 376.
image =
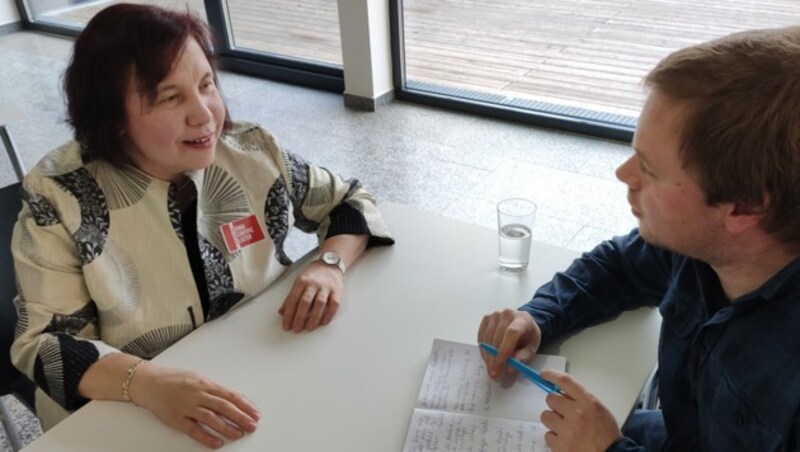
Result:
pixel 744 216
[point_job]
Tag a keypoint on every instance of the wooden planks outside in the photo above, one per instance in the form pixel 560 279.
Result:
pixel 589 54
pixel 585 53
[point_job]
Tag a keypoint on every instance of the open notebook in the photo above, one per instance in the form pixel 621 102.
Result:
pixel 459 408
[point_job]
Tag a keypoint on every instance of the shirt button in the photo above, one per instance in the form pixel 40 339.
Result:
pixel 738 418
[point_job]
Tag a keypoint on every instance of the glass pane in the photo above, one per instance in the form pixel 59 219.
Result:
pixel 76 14
pixel 307 30
pixel 577 57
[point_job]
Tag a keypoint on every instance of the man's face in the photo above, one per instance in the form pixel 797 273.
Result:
pixel 663 195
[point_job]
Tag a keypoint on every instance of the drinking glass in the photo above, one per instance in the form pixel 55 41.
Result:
pixel 515 218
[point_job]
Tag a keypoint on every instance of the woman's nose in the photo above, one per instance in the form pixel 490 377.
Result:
pixel 199 112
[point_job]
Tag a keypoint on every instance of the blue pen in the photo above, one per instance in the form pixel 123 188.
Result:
pixel 526 371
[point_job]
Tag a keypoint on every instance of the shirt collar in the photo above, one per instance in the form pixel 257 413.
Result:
pixel 785 279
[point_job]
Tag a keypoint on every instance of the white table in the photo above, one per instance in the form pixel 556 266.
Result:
pixel 352 386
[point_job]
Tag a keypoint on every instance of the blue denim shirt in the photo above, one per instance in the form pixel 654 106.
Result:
pixel 729 372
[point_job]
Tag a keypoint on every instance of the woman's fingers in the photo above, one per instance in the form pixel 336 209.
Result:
pixel 214 421
pixel 235 407
pixel 317 310
pixel 191 428
pixel 313 300
pixel 303 306
pixel 332 307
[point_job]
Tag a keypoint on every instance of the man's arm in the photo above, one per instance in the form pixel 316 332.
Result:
pixel 618 275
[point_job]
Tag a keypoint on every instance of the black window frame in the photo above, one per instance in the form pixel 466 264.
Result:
pixel 319 75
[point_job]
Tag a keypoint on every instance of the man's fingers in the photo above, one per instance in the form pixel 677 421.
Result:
pixel 486 334
pixel 552 420
pixel 569 386
pixel 505 339
pixel 552 440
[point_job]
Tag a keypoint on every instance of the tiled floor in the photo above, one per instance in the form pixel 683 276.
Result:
pixel 449 163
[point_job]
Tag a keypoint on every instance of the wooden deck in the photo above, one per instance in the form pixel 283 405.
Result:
pixel 590 54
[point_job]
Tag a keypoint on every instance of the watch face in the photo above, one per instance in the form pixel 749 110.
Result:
pixel 330 258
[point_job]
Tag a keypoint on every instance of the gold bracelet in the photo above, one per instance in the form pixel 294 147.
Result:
pixel 127 383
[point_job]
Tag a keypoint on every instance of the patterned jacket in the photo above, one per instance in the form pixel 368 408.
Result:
pixel 101 264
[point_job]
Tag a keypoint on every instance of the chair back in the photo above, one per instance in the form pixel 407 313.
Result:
pixel 11 380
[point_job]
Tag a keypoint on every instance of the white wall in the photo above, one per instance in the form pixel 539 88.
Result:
pixel 8 12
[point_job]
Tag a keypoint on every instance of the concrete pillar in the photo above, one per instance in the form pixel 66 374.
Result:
pixel 366 53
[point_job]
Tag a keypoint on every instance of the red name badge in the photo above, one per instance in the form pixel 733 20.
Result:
pixel 242 232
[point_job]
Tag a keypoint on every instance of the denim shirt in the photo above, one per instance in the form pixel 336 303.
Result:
pixel 729 372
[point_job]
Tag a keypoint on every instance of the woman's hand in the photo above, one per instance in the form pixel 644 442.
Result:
pixel 184 400
pixel 578 421
pixel 513 333
pixel 314 298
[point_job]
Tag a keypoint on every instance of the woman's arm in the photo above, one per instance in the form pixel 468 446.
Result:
pixel 317 293
pixel 60 347
pixel 346 219
pixel 181 399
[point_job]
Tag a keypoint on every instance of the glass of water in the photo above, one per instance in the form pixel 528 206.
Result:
pixel 515 220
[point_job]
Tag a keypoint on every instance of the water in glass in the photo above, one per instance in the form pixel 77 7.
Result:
pixel 515 246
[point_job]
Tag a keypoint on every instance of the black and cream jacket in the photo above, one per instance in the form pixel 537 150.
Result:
pixel 102 266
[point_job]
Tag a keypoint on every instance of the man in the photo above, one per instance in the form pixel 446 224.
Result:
pixel 715 184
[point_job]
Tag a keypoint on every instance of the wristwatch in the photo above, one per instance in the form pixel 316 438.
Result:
pixel 331 258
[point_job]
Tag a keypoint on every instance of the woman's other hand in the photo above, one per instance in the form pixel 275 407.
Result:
pixel 184 400
pixel 314 298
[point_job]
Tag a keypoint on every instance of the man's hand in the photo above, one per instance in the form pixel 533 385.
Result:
pixel 512 333
pixel 314 298
pixel 578 422
pixel 182 400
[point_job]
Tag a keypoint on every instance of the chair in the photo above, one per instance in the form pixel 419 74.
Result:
pixel 13 155
pixel 650 391
pixel 11 380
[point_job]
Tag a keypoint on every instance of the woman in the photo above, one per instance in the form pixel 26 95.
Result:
pixel 162 215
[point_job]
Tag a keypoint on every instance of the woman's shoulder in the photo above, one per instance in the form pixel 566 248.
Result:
pixel 61 160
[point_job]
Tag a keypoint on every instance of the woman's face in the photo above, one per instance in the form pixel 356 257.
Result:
pixel 178 132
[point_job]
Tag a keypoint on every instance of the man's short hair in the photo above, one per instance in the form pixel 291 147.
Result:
pixel 742 134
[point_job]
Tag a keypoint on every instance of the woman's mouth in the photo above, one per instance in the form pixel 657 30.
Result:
pixel 201 143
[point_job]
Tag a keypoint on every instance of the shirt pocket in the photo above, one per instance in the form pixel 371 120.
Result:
pixel 735 424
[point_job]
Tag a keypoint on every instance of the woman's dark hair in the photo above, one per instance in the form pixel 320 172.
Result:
pixel 121 41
